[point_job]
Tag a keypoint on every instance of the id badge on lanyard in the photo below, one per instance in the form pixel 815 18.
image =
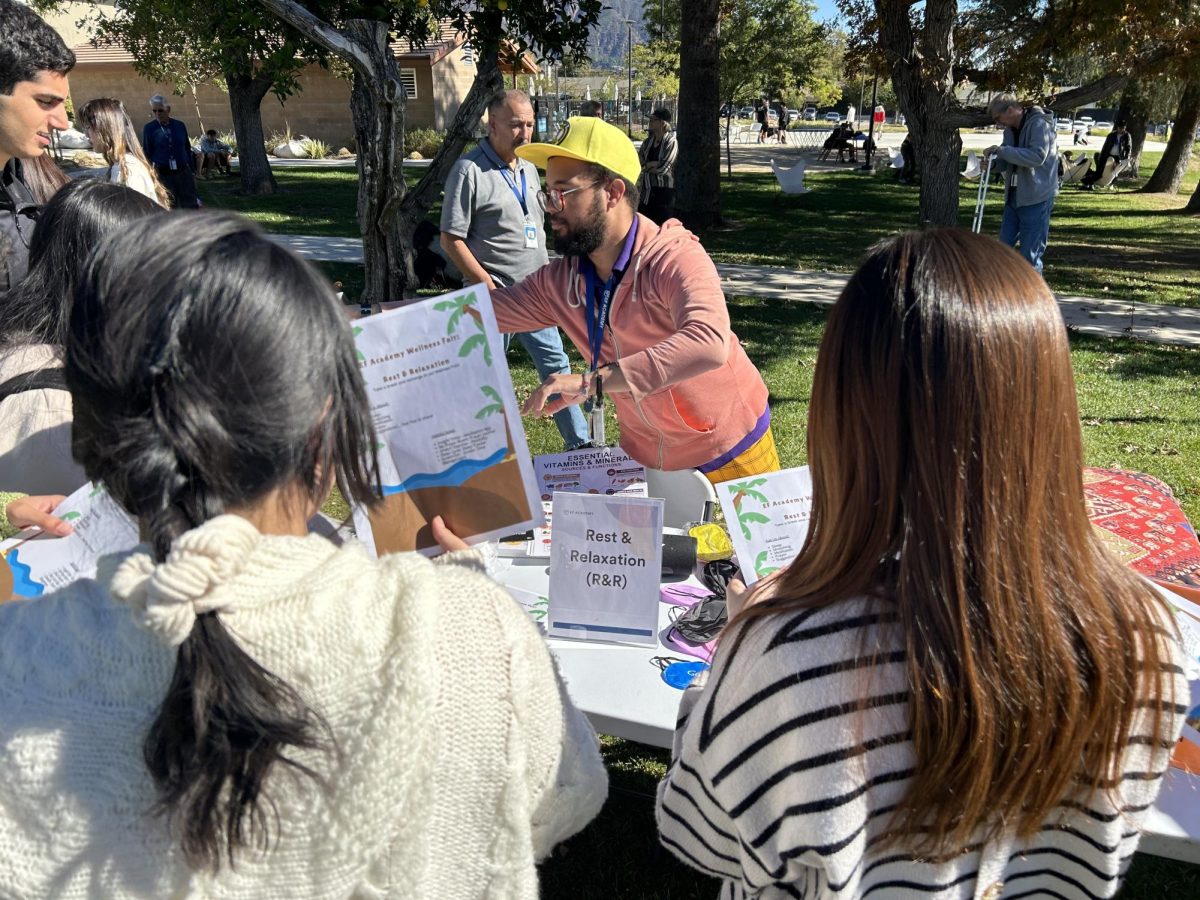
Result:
pixel 596 320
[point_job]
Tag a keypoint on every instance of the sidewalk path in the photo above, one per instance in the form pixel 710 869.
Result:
pixel 1108 318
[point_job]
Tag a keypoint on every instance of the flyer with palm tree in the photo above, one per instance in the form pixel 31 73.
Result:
pixel 767 517
pixel 451 442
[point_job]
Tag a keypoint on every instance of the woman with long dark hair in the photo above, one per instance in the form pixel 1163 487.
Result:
pixel 954 688
pixel 35 408
pixel 239 708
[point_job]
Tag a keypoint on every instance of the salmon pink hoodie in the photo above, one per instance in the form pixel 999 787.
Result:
pixel 694 392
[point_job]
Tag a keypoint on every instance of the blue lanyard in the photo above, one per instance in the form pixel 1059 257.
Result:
pixel 508 176
pixel 596 323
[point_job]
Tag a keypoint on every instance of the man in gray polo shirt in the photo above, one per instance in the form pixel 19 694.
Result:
pixel 493 230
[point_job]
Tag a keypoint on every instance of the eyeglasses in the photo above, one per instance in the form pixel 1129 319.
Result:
pixel 553 198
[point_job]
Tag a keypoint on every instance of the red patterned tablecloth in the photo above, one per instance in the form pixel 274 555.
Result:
pixel 1140 520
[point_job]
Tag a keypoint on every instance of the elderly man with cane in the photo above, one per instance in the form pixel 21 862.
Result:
pixel 1027 155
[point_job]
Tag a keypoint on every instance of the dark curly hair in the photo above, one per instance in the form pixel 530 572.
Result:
pixel 28 46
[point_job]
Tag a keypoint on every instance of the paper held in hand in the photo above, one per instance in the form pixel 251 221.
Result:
pixel 451 442
pixel 605 564
pixel 767 517
pixel 40 563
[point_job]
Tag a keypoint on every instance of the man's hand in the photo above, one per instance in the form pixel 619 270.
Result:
pixel 28 512
pixel 990 151
pixel 571 389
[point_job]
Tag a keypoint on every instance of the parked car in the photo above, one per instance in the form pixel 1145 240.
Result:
pixel 1062 125
pixel 726 110
pixel 833 117
pixel 746 112
pixel 1087 120
pixel 793 114
pixel 900 120
pixel 1080 123
pixel 810 113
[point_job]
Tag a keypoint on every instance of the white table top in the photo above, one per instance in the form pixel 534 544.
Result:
pixel 623 694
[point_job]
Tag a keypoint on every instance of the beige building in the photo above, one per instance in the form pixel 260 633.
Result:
pixel 436 77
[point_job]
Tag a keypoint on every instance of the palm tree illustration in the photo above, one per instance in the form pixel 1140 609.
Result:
pixel 355 332
pixel 761 569
pixel 740 492
pixel 496 406
pixel 458 307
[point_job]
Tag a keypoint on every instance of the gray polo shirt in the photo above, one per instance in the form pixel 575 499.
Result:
pixel 481 208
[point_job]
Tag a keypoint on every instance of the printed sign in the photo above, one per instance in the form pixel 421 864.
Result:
pixel 603 470
pixel 605 564
pixel 767 517
pixel 451 439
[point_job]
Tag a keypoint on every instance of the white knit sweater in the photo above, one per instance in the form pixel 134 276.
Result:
pixel 460 759
pixel 778 788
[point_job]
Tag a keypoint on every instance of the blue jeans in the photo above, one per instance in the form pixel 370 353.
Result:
pixel 549 358
pixel 1028 226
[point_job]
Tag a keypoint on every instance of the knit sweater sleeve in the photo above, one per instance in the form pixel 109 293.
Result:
pixel 7 529
pixel 565 775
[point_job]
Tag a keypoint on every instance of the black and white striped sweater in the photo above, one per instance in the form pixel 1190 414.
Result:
pixel 779 788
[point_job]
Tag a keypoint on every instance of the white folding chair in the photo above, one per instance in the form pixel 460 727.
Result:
pixel 791 181
pixel 1112 169
pixel 685 493
pixel 897 159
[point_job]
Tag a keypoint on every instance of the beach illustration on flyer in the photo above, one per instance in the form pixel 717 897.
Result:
pixel 767 516
pixel 39 563
pixel 451 441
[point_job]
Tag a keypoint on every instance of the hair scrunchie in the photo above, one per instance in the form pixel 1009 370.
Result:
pixel 167 598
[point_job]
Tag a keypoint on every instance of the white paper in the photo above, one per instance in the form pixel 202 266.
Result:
pixel 43 563
pixel 605 565
pixel 602 470
pixel 447 421
pixel 767 518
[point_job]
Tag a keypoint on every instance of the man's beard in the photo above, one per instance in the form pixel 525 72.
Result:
pixel 588 236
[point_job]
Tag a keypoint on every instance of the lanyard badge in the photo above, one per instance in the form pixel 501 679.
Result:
pixel 596 417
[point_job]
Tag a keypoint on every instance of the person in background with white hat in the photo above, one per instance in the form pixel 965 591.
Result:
pixel 644 306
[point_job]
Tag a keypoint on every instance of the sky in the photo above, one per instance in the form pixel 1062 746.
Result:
pixel 826 9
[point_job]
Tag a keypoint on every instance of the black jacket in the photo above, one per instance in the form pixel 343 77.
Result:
pixel 1118 146
pixel 18 212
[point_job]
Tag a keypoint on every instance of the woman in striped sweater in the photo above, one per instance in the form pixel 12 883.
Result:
pixel 953 690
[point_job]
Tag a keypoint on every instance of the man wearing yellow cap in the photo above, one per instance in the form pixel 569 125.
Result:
pixel 644 306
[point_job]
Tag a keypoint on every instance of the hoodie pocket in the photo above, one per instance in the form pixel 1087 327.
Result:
pixel 672 413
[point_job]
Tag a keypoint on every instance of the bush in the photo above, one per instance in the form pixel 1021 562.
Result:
pixel 315 149
pixel 425 141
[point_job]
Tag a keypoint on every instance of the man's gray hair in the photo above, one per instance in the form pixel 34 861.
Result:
pixel 160 100
pixel 512 96
pixel 1001 103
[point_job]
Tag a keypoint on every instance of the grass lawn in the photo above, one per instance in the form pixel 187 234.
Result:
pixel 1121 244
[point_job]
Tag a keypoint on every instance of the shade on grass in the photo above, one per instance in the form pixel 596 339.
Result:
pixel 1120 245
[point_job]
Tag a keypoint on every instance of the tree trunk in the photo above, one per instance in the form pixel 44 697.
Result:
pixel 1134 111
pixel 1194 204
pixel 1174 163
pixel 924 84
pixel 417 202
pixel 245 100
pixel 698 170
pixel 377 106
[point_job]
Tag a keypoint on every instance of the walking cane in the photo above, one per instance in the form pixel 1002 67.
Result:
pixel 981 194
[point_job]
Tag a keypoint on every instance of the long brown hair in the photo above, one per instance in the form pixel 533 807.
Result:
pixel 946 460
pixel 105 120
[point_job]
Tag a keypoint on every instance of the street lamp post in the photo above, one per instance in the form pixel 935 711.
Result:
pixel 629 92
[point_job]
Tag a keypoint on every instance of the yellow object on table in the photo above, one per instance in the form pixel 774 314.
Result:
pixel 711 542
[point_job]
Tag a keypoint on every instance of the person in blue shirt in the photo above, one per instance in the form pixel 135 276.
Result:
pixel 165 142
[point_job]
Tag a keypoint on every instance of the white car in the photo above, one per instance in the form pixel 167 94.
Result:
pixel 1063 125
pixel 833 117
pixel 1087 120
pixel 810 113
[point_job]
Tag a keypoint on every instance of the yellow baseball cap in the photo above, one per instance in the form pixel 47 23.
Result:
pixel 591 140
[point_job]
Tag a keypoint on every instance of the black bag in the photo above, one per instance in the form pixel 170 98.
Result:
pixel 704 621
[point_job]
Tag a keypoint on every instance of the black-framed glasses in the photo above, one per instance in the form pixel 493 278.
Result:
pixel 553 198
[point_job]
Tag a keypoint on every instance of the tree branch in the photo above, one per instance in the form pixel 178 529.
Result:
pixel 321 32
pixel 974 116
